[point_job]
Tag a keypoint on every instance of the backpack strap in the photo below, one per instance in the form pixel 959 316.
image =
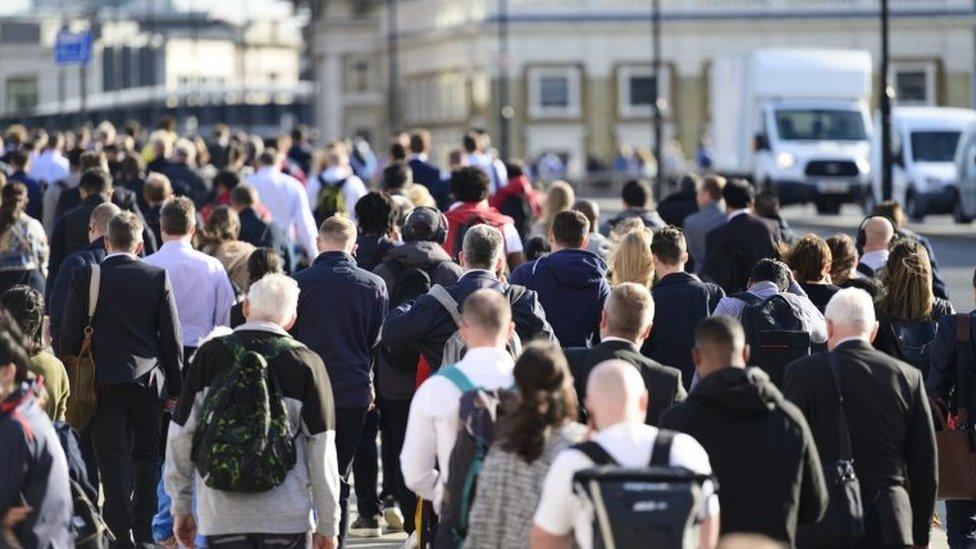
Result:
pixel 514 293
pixel 748 297
pixel 595 452
pixel 447 301
pixel 661 452
pixel 94 285
pixel 457 377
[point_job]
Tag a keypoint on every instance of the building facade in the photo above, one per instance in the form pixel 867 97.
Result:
pixel 579 71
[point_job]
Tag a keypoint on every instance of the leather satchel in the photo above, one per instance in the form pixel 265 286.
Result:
pixel 957 446
pixel 81 367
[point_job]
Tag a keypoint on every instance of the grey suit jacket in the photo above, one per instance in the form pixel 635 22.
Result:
pixel 697 225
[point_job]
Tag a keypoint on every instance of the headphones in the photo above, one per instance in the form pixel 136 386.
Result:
pixel 438 232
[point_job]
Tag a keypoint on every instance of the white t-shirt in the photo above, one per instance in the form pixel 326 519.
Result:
pixel 562 511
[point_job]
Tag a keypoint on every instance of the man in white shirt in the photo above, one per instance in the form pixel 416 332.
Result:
pixel 203 291
pixel 617 401
pixel 486 325
pixel 50 165
pixel 285 198
pixel 878 234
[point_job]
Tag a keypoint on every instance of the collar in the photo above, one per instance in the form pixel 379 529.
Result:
pixel 875 259
pixel 675 277
pixel 624 429
pixel 180 244
pixel 261 326
pixel 267 170
pixel 333 257
pixel 121 254
pixel 611 339
pixel 736 213
pixel 484 356
pixel 764 288
pixel 478 273
pixel 856 340
pixel 418 156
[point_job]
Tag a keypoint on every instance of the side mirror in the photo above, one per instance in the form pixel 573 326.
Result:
pixel 760 142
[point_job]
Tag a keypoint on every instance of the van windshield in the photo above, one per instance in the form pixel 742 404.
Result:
pixel 934 146
pixel 820 125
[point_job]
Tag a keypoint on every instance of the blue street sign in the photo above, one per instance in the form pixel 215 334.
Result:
pixel 73 48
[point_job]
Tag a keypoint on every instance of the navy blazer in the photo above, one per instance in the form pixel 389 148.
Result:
pixel 341 309
pixel 57 286
pixel 136 325
pixel 681 301
pixel 426 323
pixel 262 234
pixel 429 176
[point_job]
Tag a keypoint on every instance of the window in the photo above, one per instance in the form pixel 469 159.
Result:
pixel 554 92
pixel 914 83
pixel 360 76
pixel 635 91
pixel 21 94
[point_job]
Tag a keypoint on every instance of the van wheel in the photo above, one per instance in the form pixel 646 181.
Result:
pixel 914 207
pixel 828 207
pixel 959 212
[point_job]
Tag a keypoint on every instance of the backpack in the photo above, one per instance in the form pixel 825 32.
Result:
pixel 243 441
pixel 476 218
pixel 520 210
pixel 774 333
pixel 330 200
pixel 411 283
pixel 87 525
pixel 478 415
pixel 914 340
pixel 654 506
pixel 454 347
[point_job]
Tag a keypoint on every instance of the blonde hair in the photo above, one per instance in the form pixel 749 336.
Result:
pixel 631 261
pixel 559 198
pixel 907 283
pixel 338 230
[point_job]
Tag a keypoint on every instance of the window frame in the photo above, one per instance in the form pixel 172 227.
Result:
pixel 928 68
pixel 625 107
pixel 574 92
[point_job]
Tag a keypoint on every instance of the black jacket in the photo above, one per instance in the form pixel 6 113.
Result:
pixel 429 176
pixel 761 451
pixel 340 311
pixel 187 182
pixel 887 342
pixel 681 301
pixel 677 206
pixel 425 322
pixel 136 325
pixel 733 248
pixel 394 383
pixel 663 383
pixel 371 250
pixel 943 374
pixel 58 286
pixel 891 432
pixel 263 234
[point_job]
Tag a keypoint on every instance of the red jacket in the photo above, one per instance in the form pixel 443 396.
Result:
pixel 464 214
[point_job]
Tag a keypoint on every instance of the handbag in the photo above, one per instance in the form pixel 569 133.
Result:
pixel 81 367
pixel 843 522
pixel 956 448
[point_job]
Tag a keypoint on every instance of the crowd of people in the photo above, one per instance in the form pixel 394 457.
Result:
pixel 203 342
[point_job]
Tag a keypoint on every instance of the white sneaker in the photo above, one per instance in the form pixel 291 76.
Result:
pixel 411 542
pixel 393 518
pixel 365 528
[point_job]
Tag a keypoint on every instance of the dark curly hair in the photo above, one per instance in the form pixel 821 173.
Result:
pixel 376 214
pixel 546 399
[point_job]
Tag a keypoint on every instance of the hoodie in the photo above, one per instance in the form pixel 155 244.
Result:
pixel 572 287
pixel 761 449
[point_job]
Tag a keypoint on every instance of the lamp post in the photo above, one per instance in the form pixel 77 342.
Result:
pixel 505 110
pixel 393 74
pixel 886 94
pixel 656 97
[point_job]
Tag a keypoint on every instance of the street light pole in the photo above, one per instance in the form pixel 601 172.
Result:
pixel 393 75
pixel 886 94
pixel 505 111
pixel 656 97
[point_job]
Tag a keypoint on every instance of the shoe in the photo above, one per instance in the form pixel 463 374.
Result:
pixel 393 518
pixel 365 527
pixel 411 542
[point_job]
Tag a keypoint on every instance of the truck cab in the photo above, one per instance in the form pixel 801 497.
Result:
pixel 924 140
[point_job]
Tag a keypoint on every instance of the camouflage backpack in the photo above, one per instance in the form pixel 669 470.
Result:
pixel 243 442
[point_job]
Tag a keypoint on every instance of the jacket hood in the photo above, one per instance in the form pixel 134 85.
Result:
pixel 574 268
pixel 746 392
pixel 418 253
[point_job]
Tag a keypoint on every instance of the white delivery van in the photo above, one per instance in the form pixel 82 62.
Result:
pixel 794 120
pixel 923 171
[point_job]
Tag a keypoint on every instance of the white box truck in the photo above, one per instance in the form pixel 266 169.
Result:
pixel 796 121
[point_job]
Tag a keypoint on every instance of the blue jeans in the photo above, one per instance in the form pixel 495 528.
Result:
pixel 961 524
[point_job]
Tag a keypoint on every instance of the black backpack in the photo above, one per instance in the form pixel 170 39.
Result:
pixel 914 340
pixel 774 333
pixel 411 283
pixel 654 506
pixel 518 208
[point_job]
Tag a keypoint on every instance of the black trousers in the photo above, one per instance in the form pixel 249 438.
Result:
pixel 349 425
pixel 126 433
pixel 364 467
pixel 260 541
pixel 393 429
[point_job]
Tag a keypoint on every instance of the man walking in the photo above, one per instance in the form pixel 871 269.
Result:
pixel 759 444
pixel 138 359
pixel 204 294
pixel 281 516
pixel 710 214
pixel 340 311
pixel 285 197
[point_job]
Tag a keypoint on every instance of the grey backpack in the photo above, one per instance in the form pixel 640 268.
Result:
pixel 455 348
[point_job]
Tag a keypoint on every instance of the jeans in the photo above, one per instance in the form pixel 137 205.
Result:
pixel 125 435
pixel 961 524
pixel 261 541
pixel 348 426
pixel 364 468
pixel 393 428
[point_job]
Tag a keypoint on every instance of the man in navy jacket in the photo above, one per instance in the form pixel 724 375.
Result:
pixel 426 173
pixel 341 309
pixel 571 282
pixel 681 301
pixel 425 323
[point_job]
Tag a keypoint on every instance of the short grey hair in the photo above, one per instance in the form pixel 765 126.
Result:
pixel 852 308
pixel 483 246
pixel 101 215
pixel 273 298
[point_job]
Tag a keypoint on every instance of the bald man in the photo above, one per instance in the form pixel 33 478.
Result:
pixel 878 234
pixel 759 444
pixel 617 403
